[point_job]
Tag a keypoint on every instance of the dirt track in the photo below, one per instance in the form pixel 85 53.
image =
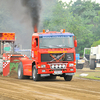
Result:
pixel 27 89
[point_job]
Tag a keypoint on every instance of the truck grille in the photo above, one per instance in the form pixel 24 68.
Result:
pixel 48 58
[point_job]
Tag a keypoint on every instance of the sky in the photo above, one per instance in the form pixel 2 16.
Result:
pixel 97 1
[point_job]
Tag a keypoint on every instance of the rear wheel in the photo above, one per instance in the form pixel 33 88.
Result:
pixel 20 71
pixel 92 64
pixel 35 75
pixel 68 77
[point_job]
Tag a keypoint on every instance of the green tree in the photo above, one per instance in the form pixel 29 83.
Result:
pixel 96 43
pixel 64 17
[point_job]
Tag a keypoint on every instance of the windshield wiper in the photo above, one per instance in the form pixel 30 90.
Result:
pixel 67 46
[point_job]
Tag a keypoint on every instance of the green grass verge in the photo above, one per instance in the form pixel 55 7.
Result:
pixel 92 74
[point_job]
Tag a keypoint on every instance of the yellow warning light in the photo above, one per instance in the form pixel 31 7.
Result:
pixel 43 30
pixel 63 30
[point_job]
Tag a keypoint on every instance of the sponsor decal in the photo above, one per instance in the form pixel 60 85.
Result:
pixel 57 51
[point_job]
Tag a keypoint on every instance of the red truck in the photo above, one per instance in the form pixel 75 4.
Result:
pixel 52 54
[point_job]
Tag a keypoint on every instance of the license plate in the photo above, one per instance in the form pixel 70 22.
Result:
pixel 57 72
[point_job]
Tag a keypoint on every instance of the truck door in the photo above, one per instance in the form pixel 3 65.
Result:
pixel 35 46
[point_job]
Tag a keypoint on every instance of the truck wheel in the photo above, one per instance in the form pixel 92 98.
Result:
pixel 35 76
pixel 92 64
pixel 81 66
pixel 20 71
pixel 68 77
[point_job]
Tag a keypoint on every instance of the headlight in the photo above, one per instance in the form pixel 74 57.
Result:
pixel 60 66
pixel 71 65
pixel 71 69
pixel 52 66
pixel 43 66
pixel 64 66
pixel 56 66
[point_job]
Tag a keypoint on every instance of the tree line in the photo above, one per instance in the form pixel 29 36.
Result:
pixel 81 18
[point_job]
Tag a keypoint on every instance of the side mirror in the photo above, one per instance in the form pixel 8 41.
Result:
pixel 34 45
pixel 75 43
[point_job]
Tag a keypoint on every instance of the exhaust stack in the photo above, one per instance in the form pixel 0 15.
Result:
pixel 33 8
pixel 35 29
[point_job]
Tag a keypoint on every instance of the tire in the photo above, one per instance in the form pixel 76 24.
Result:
pixel 79 66
pixel 68 77
pixel 20 71
pixel 92 64
pixel 35 76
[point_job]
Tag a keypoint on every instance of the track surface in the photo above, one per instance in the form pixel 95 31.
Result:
pixel 27 89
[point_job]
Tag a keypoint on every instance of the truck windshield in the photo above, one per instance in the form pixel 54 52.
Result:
pixel 56 42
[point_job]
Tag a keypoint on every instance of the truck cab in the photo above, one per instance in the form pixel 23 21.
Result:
pixel 53 54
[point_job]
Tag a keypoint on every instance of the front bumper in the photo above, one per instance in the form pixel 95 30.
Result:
pixel 52 71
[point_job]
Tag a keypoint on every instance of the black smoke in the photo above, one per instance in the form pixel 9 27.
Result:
pixel 18 16
pixel 34 8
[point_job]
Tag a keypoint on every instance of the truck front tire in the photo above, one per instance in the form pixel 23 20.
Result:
pixel 92 64
pixel 68 77
pixel 35 75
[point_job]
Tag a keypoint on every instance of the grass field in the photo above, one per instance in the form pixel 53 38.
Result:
pixel 91 74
